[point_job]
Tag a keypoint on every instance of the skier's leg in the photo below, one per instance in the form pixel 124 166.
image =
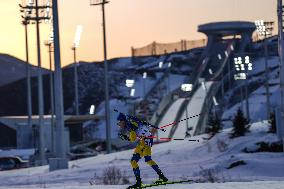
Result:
pixel 148 159
pixel 134 163
pixel 153 164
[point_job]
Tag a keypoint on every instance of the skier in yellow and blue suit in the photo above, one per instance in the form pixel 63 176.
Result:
pixel 137 130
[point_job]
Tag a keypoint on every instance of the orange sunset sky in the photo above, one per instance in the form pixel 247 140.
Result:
pixel 129 23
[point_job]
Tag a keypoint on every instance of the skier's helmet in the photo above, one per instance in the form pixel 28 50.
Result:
pixel 121 117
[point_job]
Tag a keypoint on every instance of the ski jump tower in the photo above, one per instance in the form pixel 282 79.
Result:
pixel 217 30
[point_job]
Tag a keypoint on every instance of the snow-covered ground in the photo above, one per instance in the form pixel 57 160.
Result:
pixel 227 185
pixel 178 160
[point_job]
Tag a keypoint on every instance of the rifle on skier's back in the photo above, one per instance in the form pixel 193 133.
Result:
pixel 141 121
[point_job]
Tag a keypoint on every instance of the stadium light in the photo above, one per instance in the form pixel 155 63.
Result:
pixel 186 87
pixel 92 109
pixel 264 28
pixel 219 56
pixel 210 71
pixel 129 83
pixel 144 75
pixel 132 92
pixel 161 64
pixel 78 34
pixel 242 67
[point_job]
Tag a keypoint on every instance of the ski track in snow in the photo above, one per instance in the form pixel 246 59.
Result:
pixel 228 185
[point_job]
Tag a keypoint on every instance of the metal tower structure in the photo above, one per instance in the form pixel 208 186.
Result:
pixel 107 113
pixel 38 10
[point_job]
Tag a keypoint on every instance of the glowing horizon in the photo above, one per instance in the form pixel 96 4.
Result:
pixel 128 22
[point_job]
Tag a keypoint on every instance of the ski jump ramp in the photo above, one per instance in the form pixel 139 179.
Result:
pixel 194 107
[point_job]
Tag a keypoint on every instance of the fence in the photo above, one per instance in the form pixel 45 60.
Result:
pixel 164 48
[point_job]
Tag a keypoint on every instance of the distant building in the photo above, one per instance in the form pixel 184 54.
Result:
pixel 15 132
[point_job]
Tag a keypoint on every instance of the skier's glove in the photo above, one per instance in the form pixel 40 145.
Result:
pixel 123 137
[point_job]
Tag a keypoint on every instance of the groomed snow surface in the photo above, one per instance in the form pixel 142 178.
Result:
pixel 228 185
pixel 177 159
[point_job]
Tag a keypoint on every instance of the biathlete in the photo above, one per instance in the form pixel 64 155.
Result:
pixel 132 129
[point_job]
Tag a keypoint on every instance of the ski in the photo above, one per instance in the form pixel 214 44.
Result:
pixel 162 183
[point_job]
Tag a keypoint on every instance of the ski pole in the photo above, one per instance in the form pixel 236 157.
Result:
pixel 173 123
pixel 172 139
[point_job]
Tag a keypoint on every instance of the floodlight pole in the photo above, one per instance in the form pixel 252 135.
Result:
pixel 40 91
pixel 28 75
pixel 37 19
pixel 247 97
pixel 144 87
pixel 281 54
pixel 107 113
pixel 266 77
pixel 76 80
pixel 59 108
pixel 49 45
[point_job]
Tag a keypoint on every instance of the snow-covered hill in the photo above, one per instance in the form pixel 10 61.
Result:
pixel 13 69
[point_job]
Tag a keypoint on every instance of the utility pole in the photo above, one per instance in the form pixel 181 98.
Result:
pixel 40 91
pixel 281 54
pixel 75 81
pixel 265 29
pixel 107 113
pixel 37 19
pixel 49 44
pixel 267 32
pixel 59 108
pixel 28 76
pixel 247 97
pixel 74 48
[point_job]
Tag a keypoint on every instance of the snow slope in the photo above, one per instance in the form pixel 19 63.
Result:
pixel 178 159
pixel 169 117
pixel 193 108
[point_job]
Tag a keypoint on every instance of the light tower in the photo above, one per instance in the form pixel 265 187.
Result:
pixel 49 43
pixel 144 83
pixel 186 88
pixel 27 13
pixel 280 114
pixel 39 10
pixel 265 29
pixel 74 47
pixel 61 161
pixel 107 113
pixel 243 64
